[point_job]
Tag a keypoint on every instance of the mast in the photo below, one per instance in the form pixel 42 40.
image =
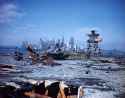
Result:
pixel 93 41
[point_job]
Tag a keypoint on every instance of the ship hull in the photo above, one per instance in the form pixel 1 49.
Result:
pixel 58 56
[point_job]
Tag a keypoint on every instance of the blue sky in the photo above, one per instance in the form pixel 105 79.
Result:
pixel 48 19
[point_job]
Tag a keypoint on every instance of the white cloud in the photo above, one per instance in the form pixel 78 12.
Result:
pixel 8 12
